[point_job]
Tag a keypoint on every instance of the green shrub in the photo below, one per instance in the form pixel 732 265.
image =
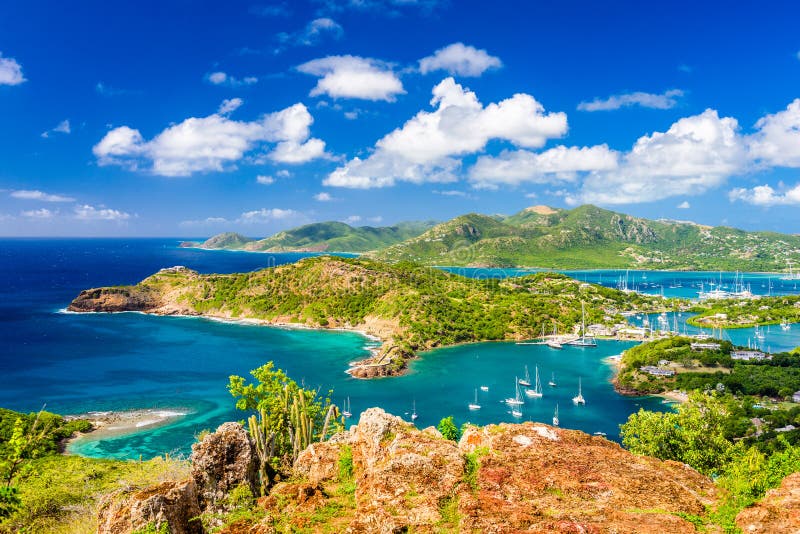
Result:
pixel 448 429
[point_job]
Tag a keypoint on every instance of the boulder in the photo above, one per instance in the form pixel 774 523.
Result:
pixel 538 477
pixel 318 462
pixel 170 503
pixel 403 475
pixel 224 460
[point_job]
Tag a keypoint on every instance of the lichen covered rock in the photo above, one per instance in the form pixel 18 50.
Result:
pixel 534 476
pixel 224 460
pixel 402 474
pixel 170 503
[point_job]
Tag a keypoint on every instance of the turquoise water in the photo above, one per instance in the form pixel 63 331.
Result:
pixel 182 364
pixel 775 338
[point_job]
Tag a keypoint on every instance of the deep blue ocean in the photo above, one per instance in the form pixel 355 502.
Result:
pixel 77 363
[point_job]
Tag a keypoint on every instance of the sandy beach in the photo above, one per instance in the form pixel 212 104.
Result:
pixel 110 424
pixel 673 396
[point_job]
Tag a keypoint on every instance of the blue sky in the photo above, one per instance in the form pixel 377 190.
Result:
pixel 189 118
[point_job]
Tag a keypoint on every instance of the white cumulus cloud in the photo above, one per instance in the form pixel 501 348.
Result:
pixel 86 212
pixel 696 154
pixel 765 195
pixel 425 148
pixel 684 205
pixel 264 215
pixel 353 77
pixel 558 164
pixel 323 197
pixel 10 71
pixel 777 139
pixel 213 143
pixel 666 100
pixel 265 180
pixel 460 60
pixel 34 194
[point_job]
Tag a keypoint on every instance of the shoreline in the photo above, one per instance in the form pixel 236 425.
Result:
pixel 111 424
pixel 232 320
pixel 669 397
pixel 672 397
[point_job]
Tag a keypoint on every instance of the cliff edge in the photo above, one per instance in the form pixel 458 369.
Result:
pixel 385 475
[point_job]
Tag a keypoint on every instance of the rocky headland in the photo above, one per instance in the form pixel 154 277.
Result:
pixel 499 478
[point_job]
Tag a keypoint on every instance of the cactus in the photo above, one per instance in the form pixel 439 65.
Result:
pixel 332 414
pixel 265 445
pixel 288 419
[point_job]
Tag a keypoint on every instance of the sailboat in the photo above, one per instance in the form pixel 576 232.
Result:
pixel 484 388
pixel 475 405
pixel 578 399
pixel 527 380
pixel 414 412
pixel 346 412
pixel 791 275
pixel 552 382
pixel 583 341
pixel 537 389
pixel 555 417
pixel 785 324
pixel 758 333
pixel 517 400
pixel 554 342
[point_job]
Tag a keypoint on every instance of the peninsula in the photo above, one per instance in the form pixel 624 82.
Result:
pixel 410 308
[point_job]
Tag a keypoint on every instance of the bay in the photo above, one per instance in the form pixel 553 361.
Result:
pixel 77 363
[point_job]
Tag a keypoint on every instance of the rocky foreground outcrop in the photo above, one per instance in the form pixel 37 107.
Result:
pixel 223 461
pixel 777 513
pixel 170 503
pixel 383 475
pixel 505 478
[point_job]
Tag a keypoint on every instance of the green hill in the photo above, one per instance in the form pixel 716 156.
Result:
pixel 592 237
pixel 227 240
pixel 335 236
pixel 409 307
pixel 586 237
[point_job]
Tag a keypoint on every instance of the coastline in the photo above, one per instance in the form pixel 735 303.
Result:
pixel 669 397
pixel 674 396
pixel 232 320
pixel 110 424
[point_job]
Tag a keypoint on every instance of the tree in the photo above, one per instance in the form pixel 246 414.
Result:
pixel 695 435
pixel 289 417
